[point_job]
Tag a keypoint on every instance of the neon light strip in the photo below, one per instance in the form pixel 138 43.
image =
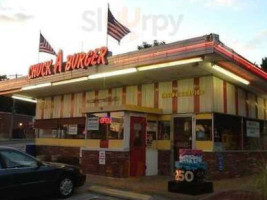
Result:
pixel 241 60
pixel 70 81
pixel 32 87
pixel 195 46
pixel 23 98
pixel 230 74
pixel 170 64
pixel 112 73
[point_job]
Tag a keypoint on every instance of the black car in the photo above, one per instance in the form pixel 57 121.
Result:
pixel 21 176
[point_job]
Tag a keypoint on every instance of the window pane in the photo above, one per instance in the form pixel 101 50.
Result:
pixel 204 130
pixel 15 159
pixel 106 126
pixel 164 130
pixel 253 134
pixel 227 132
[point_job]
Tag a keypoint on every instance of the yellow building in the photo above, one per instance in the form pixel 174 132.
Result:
pixel 129 114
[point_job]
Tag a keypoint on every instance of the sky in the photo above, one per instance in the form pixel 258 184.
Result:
pixel 80 25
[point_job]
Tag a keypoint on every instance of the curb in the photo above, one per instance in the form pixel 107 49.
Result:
pixel 119 193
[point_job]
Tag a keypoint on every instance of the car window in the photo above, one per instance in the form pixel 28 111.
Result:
pixel 14 159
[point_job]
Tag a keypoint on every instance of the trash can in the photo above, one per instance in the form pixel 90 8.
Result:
pixel 31 149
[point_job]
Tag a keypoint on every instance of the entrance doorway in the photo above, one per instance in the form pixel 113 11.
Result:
pixel 182 134
pixel 137 146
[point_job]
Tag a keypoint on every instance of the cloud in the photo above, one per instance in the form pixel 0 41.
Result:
pixel 258 41
pixel 227 3
pixel 16 17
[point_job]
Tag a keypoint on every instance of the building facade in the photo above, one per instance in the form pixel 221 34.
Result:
pixel 129 114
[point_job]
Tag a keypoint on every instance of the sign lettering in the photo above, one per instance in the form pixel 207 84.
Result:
pixel 76 61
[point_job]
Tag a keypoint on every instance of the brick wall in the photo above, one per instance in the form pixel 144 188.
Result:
pixel 117 163
pixel 235 164
pixel 68 155
pixel 164 167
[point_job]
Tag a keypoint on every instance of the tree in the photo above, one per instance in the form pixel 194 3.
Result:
pixel 264 64
pixel 145 45
pixel 3 77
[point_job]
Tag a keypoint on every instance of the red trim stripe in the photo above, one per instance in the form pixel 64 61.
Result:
pixel 225 97
pixel 61 106
pixel 72 105
pixel 156 95
pixel 139 95
pixel 165 52
pixel 52 107
pixel 174 96
pixel 196 95
pixel 123 95
pixel 236 101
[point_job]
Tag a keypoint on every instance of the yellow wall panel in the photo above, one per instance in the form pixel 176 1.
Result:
pixel 103 97
pixel 241 102
pixel 47 107
pixel 116 96
pixel 204 145
pixel 90 99
pixel 185 102
pixel 148 95
pixel 165 103
pixel 115 144
pixel 67 105
pixel 230 99
pixel 164 144
pixel 57 105
pixel 252 105
pixel 218 95
pixel 78 105
pixel 39 106
pixel 206 100
pixel 260 106
pixel 131 95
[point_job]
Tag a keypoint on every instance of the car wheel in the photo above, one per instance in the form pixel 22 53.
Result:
pixel 65 187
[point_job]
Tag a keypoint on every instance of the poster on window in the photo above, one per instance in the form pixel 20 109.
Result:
pixel 93 124
pixel 253 129
pixel 73 129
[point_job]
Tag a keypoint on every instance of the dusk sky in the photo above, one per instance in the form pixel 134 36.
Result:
pixel 80 25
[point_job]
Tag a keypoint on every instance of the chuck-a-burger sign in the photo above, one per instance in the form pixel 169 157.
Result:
pixel 74 62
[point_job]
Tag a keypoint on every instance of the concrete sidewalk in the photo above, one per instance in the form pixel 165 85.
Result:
pixel 156 187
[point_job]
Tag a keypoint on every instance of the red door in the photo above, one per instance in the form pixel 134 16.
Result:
pixel 137 146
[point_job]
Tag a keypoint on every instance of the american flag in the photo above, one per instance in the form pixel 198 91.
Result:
pixel 115 28
pixel 44 46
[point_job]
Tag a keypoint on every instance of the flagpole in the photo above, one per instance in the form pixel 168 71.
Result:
pixel 39 46
pixel 107 28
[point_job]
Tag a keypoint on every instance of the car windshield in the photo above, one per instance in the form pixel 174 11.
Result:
pixel 14 159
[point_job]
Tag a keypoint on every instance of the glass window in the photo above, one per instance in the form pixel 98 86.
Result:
pixel 105 126
pixel 164 130
pixel 253 134
pixel 203 130
pixel 14 159
pixel 227 132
